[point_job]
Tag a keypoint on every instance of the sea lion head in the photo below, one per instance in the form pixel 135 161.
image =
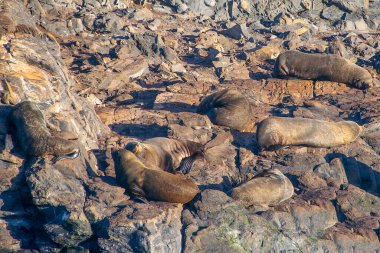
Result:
pixel 135 147
pixel 364 84
pixel 352 130
pixel 364 80
pixel 128 168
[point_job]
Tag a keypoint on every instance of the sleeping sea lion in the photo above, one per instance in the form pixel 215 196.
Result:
pixel 143 183
pixel 277 132
pixel 267 188
pixel 167 154
pixel 227 108
pixel 329 67
pixel 34 136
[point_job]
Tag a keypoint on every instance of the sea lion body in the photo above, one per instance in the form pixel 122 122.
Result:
pixel 280 131
pixel 329 67
pixel 227 108
pixel 34 136
pixel 165 153
pixel 142 182
pixel 267 188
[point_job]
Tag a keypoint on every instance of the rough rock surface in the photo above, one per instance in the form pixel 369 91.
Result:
pixel 108 72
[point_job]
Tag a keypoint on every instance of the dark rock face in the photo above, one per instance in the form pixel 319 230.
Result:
pixel 110 72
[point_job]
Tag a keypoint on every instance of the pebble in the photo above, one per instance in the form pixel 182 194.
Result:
pixel 210 3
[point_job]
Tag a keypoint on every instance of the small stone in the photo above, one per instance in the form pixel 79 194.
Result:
pixel 78 25
pixel 244 5
pixel 178 68
pixel 162 9
pixel 237 31
pixel 181 8
pixel 143 14
pixel 306 4
pixel 361 25
pixel 210 3
pixel 154 25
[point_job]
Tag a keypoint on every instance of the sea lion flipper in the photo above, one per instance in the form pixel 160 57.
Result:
pixel 137 194
pixel 76 153
pixel 187 163
pixel 140 199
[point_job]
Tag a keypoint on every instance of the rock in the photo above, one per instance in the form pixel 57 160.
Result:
pixel 237 31
pixel 59 196
pixel 332 13
pixel 124 70
pixel 210 3
pixel 264 53
pixel 145 69
pixel 154 24
pixel 156 226
pixel 142 14
pixel 351 6
pixel 178 68
pixel 244 5
pixel 175 102
pixel 182 7
pixel 104 200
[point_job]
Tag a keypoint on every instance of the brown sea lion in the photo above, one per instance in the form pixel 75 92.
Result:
pixel 34 136
pixel 277 132
pixel 167 154
pixel 267 188
pixel 227 108
pixel 143 183
pixel 329 67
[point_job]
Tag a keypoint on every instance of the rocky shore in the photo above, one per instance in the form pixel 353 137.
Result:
pixel 110 72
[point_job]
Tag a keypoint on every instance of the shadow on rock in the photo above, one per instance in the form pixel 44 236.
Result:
pixel 146 97
pixel 358 173
pixel 225 186
pixel 175 107
pixel 16 226
pixel 140 131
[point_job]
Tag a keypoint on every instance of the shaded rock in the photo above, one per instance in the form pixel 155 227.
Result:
pixel 156 226
pixel 59 195
pixel 237 31
pixel 351 6
pixel 105 198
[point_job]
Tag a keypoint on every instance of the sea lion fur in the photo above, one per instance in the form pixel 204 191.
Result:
pixel 276 132
pixel 34 136
pixel 144 183
pixel 267 188
pixel 329 67
pixel 167 154
pixel 227 108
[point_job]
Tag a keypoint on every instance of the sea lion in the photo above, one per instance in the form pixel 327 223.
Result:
pixel 167 154
pixel 277 132
pixel 267 188
pixel 329 67
pixel 227 108
pixel 144 183
pixel 34 136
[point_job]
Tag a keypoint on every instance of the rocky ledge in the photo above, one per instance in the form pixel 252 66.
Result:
pixel 108 72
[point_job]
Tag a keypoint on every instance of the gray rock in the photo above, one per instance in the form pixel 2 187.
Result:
pixel 210 3
pixel 154 24
pixel 237 31
pixel 181 8
pixel 142 14
pixel 59 195
pixel 351 5
pixel 332 13
pixel 149 227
